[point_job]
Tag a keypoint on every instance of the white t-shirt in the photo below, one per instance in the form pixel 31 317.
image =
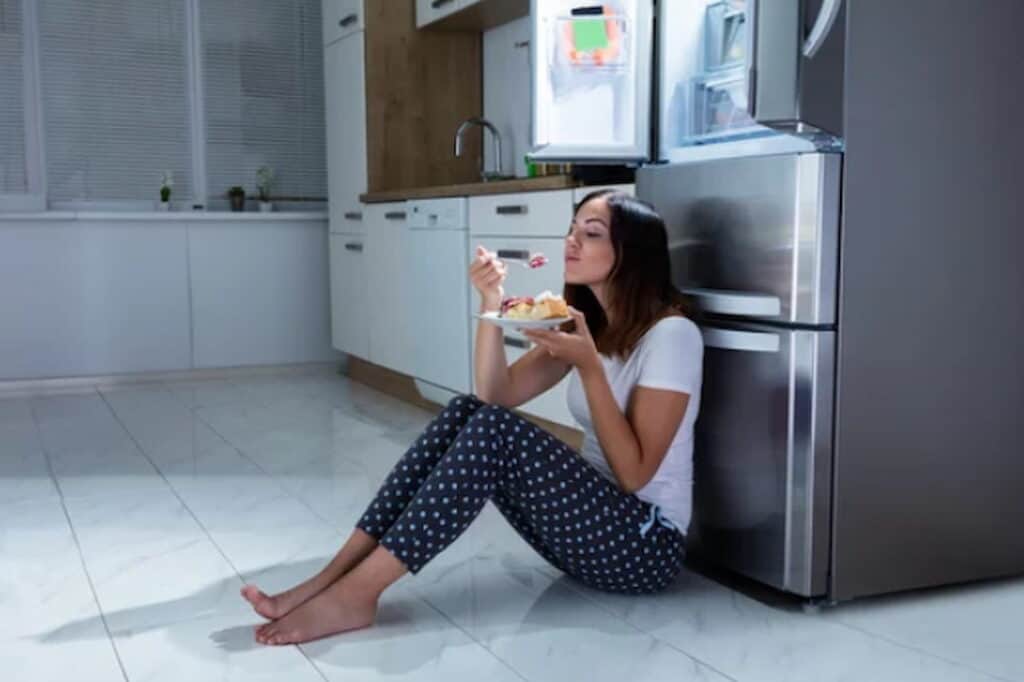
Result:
pixel 669 357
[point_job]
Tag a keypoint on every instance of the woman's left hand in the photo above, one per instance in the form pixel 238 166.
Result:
pixel 576 348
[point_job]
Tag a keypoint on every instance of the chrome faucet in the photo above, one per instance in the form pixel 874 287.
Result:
pixel 484 123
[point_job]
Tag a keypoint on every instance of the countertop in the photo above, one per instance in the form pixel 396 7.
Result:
pixel 167 216
pixel 548 182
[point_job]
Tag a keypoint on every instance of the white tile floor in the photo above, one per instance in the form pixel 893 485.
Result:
pixel 129 518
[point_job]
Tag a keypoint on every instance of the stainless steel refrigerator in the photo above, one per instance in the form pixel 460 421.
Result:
pixel 788 160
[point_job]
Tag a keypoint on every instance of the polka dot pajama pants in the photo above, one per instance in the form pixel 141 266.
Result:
pixel 578 520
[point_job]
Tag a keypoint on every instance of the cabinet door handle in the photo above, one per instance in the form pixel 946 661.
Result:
pixel 395 215
pixel 517 343
pixel 353 215
pixel 520 209
pixel 438 3
pixel 348 20
pixel 354 246
pixel 513 254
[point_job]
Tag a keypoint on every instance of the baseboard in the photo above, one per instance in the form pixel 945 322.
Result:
pixel 70 384
pixel 403 387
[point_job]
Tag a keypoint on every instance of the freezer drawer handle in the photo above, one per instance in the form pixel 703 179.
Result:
pixel 353 215
pixel 736 302
pixel 520 209
pixel 395 215
pixel 517 343
pixel 730 339
pixel 348 20
pixel 437 3
pixel 513 254
pixel 354 246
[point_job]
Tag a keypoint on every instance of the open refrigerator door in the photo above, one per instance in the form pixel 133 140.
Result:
pixel 591 80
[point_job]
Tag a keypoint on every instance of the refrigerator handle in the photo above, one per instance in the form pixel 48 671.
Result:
pixel 822 27
pixel 736 302
pixel 750 342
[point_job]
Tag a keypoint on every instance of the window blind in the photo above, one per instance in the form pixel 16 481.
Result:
pixel 262 75
pixel 115 98
pixel 13 178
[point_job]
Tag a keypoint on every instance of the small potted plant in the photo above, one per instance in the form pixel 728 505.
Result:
pixel 166 185
pixel 264 181
pixel 237 196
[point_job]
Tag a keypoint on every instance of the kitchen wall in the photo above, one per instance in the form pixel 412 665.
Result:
pixel 507 92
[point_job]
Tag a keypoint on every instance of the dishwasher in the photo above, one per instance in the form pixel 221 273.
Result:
pixel 438 269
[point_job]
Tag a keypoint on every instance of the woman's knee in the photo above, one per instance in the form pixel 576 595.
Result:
pixel 464 402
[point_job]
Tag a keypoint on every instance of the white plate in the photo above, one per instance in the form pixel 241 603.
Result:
pixel 508 323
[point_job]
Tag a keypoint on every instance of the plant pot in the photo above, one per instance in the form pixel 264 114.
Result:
pixel 237 202
pixel 266 207
pixel 163 206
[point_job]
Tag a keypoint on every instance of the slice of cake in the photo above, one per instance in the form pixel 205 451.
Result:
pixel 544 306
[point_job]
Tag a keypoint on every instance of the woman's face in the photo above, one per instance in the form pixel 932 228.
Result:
pixel 589 254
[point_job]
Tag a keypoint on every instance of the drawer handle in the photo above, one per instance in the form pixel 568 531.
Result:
pixel 736 302
pixel 353 215
pixel 354 246
pixel 513 254
pixel 395 215
pixel 438 3
pixel 517 343
pixel 520 209
pixel 750 342
pixel 348 20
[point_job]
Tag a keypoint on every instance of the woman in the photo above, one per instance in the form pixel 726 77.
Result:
pixel 611 516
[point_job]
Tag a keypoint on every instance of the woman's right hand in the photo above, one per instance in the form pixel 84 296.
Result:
pixel 487 274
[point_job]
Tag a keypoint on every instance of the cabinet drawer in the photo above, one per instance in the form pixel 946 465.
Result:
pixel 340 18
pixel 536 214
pixel 552 404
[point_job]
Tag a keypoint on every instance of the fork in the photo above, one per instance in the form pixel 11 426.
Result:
pixel 530 261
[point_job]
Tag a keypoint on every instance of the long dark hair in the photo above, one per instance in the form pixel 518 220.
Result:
pixel 640 290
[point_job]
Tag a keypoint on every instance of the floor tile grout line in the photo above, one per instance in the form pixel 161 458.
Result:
pixel 191 512
pixel 262 469
pixel 629 623
pixel 867 633
pixel 925 652
pixel 193 410
pixel 481 643
pixel 78 545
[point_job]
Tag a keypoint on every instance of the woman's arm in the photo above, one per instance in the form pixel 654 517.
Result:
pixel 498 383
pixel 634 443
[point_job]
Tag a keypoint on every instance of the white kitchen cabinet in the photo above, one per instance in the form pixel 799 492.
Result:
pixel 387 253
pixel 429 11
pixel 350 311
pixel 342 18
pixel 345 107
pixel 531 214
pixel 438 264
pixel 550 405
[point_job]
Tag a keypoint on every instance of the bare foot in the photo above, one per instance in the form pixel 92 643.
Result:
pixel 282 604
pixel 336 609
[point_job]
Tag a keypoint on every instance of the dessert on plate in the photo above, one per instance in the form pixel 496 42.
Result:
pixel 544 306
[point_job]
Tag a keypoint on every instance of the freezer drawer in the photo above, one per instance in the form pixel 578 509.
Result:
pixel 755 236
pixel 763 454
